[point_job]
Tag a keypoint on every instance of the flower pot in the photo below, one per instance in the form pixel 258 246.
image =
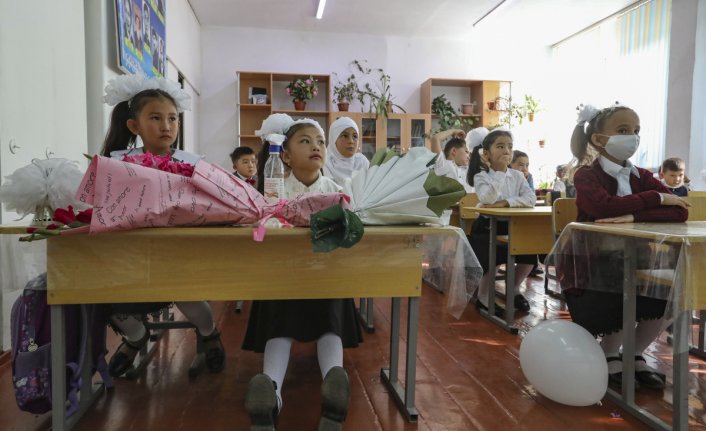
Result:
pixel 491 105
pixel 541 143
pixel 388 106
pixel 530 116
pixel 299 105
pixel 343 106
pixel 467 108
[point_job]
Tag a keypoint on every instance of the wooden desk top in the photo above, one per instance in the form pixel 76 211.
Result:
pixel 14 230
pixel 693 231
pixel 510 212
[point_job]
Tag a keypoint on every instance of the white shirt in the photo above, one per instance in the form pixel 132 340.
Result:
pixel 178 155
pixel 293 187
pixel 620 173
pixel 449 168
pixel 510 185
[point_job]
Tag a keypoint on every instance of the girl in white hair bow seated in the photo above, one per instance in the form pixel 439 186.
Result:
pixel 343 156
pixel 274 325
pixel 149 108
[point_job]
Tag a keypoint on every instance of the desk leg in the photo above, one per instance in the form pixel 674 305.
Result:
pixel 680 353
pixel 365 315
pixel 626 399
pixel 509 304
pixel 58 362
pixel 404 397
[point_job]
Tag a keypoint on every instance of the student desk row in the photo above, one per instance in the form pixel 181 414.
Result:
pixel 687 293
pixel 224 263
pixel 529 232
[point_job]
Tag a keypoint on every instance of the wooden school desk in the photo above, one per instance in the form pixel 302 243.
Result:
pixel 529 232
pixel 688 294
pixel 129 267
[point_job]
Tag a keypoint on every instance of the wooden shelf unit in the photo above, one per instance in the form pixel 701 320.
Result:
pixel 251 116
pixel 460 91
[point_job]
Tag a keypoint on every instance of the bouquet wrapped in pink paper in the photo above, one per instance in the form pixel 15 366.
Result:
pixel 130 196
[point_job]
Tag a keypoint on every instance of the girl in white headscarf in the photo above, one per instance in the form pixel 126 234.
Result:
pixel 343 156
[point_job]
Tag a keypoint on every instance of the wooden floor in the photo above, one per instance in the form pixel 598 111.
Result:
pixel 468 378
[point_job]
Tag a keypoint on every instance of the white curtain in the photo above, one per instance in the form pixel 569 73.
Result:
pixel 624 59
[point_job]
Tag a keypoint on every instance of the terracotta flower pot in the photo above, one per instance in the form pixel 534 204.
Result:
pixel 491 105
pixel 343 106
pixel 388 106
pixel 299 105
pixel 467 108
pixel 541 143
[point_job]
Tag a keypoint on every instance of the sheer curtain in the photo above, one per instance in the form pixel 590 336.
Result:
pixel 624 59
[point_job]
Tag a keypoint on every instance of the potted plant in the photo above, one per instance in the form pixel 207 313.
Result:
pixel 448 119
pixel 541 143
pixel 531 106
pixel 380 98
pixel 344 92
pixel 302 90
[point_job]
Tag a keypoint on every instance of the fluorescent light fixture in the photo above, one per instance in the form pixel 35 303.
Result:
pixel 497 7
pixel 320 10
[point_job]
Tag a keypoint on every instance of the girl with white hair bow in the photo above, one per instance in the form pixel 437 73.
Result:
pixel 343 156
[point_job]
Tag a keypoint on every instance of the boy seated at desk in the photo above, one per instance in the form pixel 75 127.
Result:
pixel 453 161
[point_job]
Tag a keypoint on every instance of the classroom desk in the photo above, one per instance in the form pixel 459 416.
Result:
pixel 687 292
pixel 529 232
pixel 226 264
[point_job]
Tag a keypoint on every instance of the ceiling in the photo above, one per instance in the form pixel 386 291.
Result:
pixel 537 21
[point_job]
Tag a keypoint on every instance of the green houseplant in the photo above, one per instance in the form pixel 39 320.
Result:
pixel 448 118
pixel 531 106
pixel 345 92
pixel 379 97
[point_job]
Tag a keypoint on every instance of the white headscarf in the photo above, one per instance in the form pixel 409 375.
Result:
pixel 337 166
pixel 475 137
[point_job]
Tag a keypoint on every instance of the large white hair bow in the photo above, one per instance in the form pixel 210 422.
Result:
pixel 125 87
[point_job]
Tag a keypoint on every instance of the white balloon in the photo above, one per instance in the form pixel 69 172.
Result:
pixel 565 363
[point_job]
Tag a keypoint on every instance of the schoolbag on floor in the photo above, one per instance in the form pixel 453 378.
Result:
pixel 31 348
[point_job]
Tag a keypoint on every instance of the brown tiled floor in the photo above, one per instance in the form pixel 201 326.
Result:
pixel 468 378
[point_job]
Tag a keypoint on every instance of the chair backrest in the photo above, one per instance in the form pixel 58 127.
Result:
pixel 697 211
pixel 564 211
pixel 696 194
pixel 470 200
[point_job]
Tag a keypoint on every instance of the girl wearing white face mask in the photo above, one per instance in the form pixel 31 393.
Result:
pixel 609 189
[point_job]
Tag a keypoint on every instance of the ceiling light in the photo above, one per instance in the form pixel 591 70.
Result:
pixel 320 10
pixel 497 7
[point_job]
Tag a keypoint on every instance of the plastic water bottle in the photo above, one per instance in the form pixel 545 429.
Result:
pixel 274 176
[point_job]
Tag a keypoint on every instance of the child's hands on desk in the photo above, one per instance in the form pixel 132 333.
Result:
pixel 670 199
pixel 498 204
pixel 627 218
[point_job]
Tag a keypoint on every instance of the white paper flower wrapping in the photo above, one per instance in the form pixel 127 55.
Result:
pixel 125 87
pixel 586 113
pixel 50 182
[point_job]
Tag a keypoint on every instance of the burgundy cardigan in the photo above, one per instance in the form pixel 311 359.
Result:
pixel 596 197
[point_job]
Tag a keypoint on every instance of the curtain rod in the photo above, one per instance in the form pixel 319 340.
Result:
pixel 622 11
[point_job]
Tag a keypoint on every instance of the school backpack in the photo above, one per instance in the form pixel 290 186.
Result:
pixel 30 328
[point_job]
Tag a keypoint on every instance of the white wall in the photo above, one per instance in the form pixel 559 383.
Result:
pixel 409 61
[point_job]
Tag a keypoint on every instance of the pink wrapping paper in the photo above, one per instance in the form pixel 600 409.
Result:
pixel 128 196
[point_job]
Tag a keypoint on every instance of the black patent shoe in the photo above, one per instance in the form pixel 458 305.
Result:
pixel 214 351
pixel 521 303
pixel 616 379
pixel 124 357
pixel 649 379
pixel 335 395
pixel 261 403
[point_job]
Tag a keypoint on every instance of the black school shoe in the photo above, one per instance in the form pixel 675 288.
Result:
pixel 649 379
pixel 261 403
pixel 214 351
pixel 521 303
pixel 335 395
pixel 123 358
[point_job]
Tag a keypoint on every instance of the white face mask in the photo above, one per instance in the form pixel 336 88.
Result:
pixel 622 147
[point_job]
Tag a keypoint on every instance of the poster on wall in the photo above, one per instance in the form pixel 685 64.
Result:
pixel 141 35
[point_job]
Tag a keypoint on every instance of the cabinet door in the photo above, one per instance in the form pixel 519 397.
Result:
pixel 393 133
pixel 369 136
pixel 418 127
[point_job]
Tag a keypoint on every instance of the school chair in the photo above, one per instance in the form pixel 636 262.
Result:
pixel 564 211
pixel 156 323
